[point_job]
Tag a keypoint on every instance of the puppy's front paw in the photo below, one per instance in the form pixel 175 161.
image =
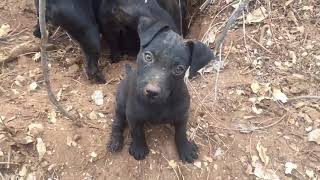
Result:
pixel 188 152
pixel 115 145
pixel 139 152
pixel 95 76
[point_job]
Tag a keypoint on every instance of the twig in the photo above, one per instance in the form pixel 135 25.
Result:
pixel 6 163
pixel 231 21
pixel 304 97
pixel 44 61
pixel 177 175
pixel 259 44
pixel 2 176
pixel 9 158
pixel 205 4
pixel 217 77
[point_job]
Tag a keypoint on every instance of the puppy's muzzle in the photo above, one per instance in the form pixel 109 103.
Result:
pixel 152 91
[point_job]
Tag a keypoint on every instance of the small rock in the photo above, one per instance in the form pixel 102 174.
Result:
pixel 33 86
pixel 304 54
pixel 1 153
pixel 289 167
pixel 219 152
pixel 97 97
pixel 76 137
pixel 93 116
pixel 314 136
pixel 310 173
pixel 73 69
pixel 35 129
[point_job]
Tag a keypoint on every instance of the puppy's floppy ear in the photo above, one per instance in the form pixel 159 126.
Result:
pixel 148 28
pixel 200 54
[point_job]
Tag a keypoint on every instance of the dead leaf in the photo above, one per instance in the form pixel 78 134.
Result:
pixel 93 116
pixel 41 148
pixel 289 167
pixel 256 110
pixel 53 117
pixel 293 57
pixel 264 173
pixel 255 87
pixel 257 15
pixel 262 151
pixel 35 129
pixel 24 170
pixel 198 164
pixel 59 94
pixel 31 176
pixel 173 164
pixel 4 30
pixel 292 17
pixel 314 136
pixel 288 3
pixel 279 96
pixel 36 57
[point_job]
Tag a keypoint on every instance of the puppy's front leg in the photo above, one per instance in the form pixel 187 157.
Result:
pixel 187 150
pixel 138 148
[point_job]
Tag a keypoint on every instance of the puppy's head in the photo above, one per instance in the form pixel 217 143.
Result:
pixel 163 59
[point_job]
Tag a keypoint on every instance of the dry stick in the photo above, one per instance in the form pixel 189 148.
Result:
pixel 303 97
pixel 231 21
pixel 44 61
pixel 9 158
pixel 175 171
pixel 205 4
pixel 2 176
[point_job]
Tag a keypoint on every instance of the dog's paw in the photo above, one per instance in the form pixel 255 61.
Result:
pixel 115 145
pixel 96 77
pixel 188 152
pixel 139 152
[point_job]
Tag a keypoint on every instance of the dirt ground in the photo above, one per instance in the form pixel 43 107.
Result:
pixel 241 121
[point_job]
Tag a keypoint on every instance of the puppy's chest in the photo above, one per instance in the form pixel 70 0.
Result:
pixel 164 115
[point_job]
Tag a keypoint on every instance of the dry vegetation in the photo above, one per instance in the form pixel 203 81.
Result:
pixel 257 118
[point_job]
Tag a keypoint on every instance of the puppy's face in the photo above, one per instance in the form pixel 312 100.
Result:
pixel 162 64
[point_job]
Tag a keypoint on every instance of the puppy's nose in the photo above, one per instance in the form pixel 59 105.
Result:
pixel 151 90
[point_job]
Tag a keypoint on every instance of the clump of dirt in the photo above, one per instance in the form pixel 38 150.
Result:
pixel 259 117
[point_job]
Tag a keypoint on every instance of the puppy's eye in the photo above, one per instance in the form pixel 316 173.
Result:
pixel 179 70
pixel 148 57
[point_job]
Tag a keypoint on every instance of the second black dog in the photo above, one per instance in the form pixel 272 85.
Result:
pixel 156 93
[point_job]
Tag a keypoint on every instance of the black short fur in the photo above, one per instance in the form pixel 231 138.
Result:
pixel 156 92
pixel 116 20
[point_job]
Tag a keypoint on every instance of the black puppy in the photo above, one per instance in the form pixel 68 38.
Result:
pixel 156 91
pixel 116 20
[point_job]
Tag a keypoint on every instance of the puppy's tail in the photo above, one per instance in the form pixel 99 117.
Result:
pixel 128 69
